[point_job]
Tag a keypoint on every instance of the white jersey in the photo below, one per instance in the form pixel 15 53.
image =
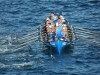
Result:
pixel 53 18
pixel 57 24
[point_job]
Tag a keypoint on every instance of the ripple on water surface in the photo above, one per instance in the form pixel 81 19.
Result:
pixel 18 17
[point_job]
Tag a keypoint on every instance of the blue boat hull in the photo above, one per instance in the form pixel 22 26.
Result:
pixel 59 45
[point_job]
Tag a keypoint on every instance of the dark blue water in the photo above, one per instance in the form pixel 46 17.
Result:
pixel 18 17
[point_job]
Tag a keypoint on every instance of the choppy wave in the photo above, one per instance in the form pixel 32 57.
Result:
pixel 18 18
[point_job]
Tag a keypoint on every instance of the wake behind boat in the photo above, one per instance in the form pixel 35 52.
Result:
pixel 56 32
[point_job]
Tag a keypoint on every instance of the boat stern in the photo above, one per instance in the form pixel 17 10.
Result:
pixel 59 45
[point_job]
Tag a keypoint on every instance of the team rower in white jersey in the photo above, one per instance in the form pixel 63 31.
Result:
pixel 56 28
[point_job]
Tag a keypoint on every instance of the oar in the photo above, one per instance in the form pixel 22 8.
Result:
pixel 26 36
pixel 98 43
pixel 86 31
pixel 93 34
pixel 35 27
pixel 87 35
pixel 52 57
pixel 25 45
pixel 29 41
pixel 14 50
pixel 82 29
pixel 28 45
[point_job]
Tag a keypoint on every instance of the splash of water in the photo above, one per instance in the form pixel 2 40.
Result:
pixel 9 40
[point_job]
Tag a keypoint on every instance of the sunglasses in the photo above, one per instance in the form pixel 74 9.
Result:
pixel 49 23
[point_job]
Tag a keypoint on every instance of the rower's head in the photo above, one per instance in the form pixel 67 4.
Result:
pixel 64 22
pixel 59 22
pixel 52 14
pixel 57 17
pixel 48 22
pixel 61 17
pixel 47 18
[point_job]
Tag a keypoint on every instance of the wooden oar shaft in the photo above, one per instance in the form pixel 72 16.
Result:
pixel 25 45
pixel 82 29
pixel 26 36
pixel 35 31
pixel 82 33
pixel 93 41
pixel 86 31
pixel 87 35
pixel 29 41
pixel 91 33
pixel 34 28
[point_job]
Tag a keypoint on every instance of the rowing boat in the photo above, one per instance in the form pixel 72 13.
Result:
pixel 57 45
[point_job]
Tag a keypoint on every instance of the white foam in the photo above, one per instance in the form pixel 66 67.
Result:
pixel 3 48
pixel 25 64
pixel 3 65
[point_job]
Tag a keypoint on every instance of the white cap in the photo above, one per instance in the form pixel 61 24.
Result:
pixel 63 27
pixel 47 18
pixel 63 20
pixel 62 17
pixel 64 24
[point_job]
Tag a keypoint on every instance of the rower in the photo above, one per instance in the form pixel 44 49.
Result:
pixel 65 31
pixel 58 30
pixel 50 30
pixel 47 18
pixel 62 19
pixel 53 17
pixel 57 18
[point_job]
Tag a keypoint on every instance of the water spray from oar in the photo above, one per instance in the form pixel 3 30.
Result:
pixel 9 40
